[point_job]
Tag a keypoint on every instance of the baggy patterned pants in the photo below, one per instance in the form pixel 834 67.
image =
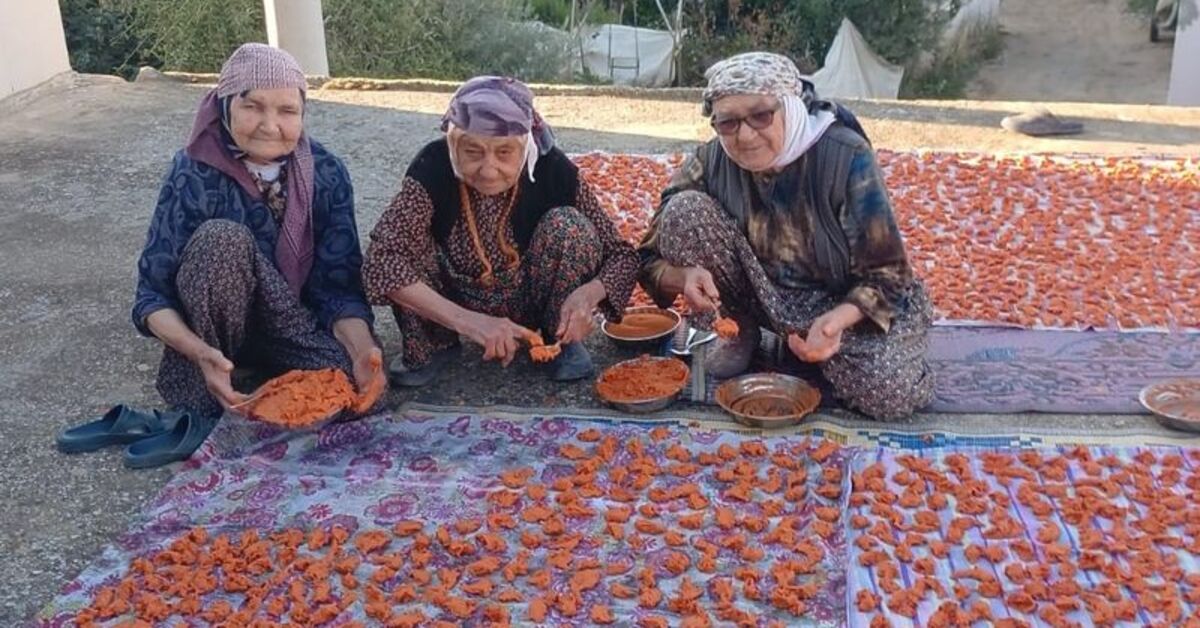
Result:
pixel 235 300
pixel 882 375
pixel 563 254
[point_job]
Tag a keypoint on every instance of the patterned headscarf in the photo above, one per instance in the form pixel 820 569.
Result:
pixel 771 74
pixel 754 73
pixel 498 106
pixel 259 66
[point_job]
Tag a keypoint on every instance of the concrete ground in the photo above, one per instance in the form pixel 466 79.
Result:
pixel 1075 50
pixel 80 165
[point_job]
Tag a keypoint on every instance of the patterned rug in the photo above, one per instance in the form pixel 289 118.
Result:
pixel 999 370
pixel 468 514
pixel 1002 370
pixel 469 519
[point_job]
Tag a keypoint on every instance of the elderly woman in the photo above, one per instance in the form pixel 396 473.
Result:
pixel 252 253
pixel 783 222
pixel 494 235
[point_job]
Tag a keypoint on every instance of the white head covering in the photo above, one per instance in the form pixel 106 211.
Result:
pixel 531 154
pixel 775 75
pixel 800 129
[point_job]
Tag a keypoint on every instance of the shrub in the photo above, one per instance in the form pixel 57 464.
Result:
pixel 1143 8
pixel 454 39
pixel 954 65
pixel 450 39
pixel 101 38
pixel 899 30
pixel 195 35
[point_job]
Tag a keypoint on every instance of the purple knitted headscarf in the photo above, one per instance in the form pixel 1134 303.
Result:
pixel 259 66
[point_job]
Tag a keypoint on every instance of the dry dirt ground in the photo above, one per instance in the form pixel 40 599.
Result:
pixel 960 125
pixel 80 166
pixel 1075 50
pixel 935 125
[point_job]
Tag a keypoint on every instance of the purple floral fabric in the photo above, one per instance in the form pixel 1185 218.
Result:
pixel 438 468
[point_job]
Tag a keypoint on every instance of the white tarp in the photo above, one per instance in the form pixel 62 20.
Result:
pixel 853 70
pixel 629 55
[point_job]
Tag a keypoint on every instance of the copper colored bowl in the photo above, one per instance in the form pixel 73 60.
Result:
pixel 767 400
pixel 671 320
pixel 1176 404
pixel 315 426
pixel 247 410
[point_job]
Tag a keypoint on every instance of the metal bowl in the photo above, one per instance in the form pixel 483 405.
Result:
pixel 1176 404
pixel 644 341
pixel 767 400
pixel 642 406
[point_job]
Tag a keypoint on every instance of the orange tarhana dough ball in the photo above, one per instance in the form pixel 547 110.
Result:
pixel 541 352
pixel 299 398
pixel 544 353
pixel 726 328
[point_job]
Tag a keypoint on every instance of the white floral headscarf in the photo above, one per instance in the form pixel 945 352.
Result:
pixel 775 75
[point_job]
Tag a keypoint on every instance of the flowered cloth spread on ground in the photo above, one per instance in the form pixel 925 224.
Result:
pixel 474 519
pixel 1032 241
pixel 1094 536
pixel 453 518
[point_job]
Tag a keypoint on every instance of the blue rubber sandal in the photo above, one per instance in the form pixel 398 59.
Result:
pixel 185 437
pixel 121 425
pixel 573 363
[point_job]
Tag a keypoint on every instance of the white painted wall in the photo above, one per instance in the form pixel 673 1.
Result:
pixel 33 47
pixel 298 27
pixel 1185 64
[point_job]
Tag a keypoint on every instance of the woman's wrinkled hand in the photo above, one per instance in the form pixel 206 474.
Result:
pixel 369 378
pixel 500 337
pixel 824 337
pixel 700 290
pixel 217 370
pixel 576 319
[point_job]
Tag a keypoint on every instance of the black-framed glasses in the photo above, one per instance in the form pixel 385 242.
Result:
pixel 758 121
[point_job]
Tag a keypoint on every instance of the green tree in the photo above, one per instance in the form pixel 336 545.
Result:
pixel 195 35
pixel 101 38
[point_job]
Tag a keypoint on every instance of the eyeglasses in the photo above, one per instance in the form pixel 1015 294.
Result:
pixel 758 121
